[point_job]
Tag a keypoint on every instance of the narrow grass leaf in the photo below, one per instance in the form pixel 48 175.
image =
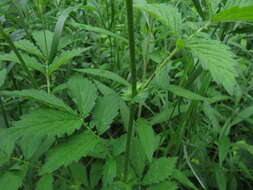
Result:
pixel 98 30
pixel 58 31
pixel 224 146
pixel 182 92
pixel 105 74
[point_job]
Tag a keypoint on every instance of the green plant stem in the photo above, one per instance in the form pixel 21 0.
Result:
pixel 129 4
pixel 161 65
pixel 159 68
pixel 13 47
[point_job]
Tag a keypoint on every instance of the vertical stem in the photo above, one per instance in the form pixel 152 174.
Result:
pixel 129 4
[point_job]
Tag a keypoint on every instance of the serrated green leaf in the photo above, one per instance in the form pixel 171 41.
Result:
pixel 28 47
pixel 167 111
pixel 44 40
pixel 40 97
pixel 179 91
pixel 105 90
pixel 105 74
pixel 64 58
pixel 243 115
pixel 12 179
pixel 84 94
pixel 234 14
pixel 216 58
pixel 168 185
pixel 96 172
pixel 147 137
pixel 6 145
pixel 3 74
pixel 166 14
pixel 137 157
pixel 109 171
pixel 30 62
pixel 182 178
pixel 106 110
pixel 73 149
pixel 160 169
pixel 29 144
pixel 45 122
pixel 79 173
pixel 45 183
pixel 210 113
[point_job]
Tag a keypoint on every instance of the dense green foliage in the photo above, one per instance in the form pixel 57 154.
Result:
pixel 122 95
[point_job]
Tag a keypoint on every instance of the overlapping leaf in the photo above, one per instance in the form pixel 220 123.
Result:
pixel 44 40
pixel 105 74
pixel 216 58
pixel 44 122
pixel 160 170
pixel 64 58
pixel 147 137
pixel 84 94
pixel 166 14
pixel 73 149
pixel 40 97
pixel 31 62
pixel 105 111
pixel 234 14
pixel 28 47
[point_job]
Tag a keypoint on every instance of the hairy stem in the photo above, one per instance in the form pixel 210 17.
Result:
pixel 129 4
